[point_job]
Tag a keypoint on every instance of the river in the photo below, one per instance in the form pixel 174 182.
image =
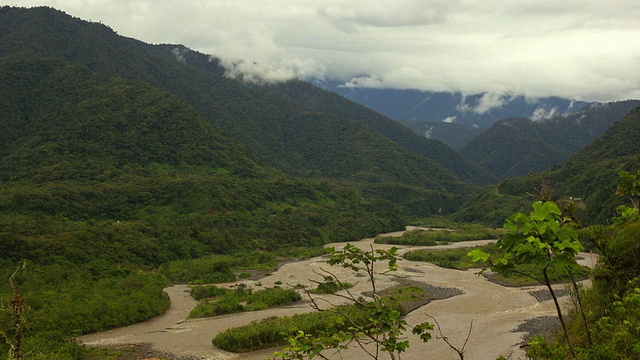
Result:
pixel 495 311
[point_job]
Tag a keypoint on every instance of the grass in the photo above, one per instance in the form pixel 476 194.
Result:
pixel 274 331
pixel 458 259
pixel 242 299
pixel 449 258
pixel 330 287
pixel 421 237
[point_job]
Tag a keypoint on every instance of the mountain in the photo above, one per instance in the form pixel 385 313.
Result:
pixel 332 104
pixel 478 110
pixel 89 147
pixel 277 130
pixel 592 173
pixel 450 133
pixel 515 147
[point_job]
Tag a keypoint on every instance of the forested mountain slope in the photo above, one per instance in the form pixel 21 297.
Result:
pixel 88 146
pixel 452 134
pixel 121 169
pixel 268 123
pixel 103 179
pixel 330 103
pixel 592 173
pixel 516 147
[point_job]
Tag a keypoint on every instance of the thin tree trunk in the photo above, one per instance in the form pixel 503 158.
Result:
pixel 579 298
pixel 559 310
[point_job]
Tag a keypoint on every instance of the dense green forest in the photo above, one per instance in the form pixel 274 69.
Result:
pixel 278 129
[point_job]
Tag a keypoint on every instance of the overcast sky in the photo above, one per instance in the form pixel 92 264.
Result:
pixel 585 50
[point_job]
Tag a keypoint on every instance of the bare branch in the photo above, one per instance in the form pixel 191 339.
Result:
pixel 460 351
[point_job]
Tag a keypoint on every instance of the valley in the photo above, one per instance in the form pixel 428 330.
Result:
pixel 127 167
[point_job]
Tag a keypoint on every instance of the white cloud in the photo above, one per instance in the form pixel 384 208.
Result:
pixel 179 54
pixel 487 102
pixel 541 114
pixel 585 50
pixel 349 16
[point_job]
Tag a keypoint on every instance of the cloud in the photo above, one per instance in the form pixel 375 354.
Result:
pixel 577 49
pixel 541 114
pixel 255 73
pixel 487 102
pixel 179 54
pixel 349 16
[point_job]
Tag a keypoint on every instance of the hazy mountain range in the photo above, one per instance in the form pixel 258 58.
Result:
pixel 477 110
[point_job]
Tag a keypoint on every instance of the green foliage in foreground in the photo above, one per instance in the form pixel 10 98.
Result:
pixel 241 299
pixel 430 237
pixel 611 326
pixel 459 260
pixel 546 238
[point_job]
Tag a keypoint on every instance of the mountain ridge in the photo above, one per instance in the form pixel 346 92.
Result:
pixel 266 122
pixel 479 110
pixel 515 147
pixel 591 174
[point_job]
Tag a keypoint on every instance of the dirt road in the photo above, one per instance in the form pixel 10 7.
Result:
pixel 495 311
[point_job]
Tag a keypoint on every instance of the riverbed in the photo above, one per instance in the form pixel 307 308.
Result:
pixel 495 310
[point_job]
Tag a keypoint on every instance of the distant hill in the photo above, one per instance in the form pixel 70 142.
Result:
pixel 592 173
pixel 332 104
pixel 516 147
pixel 452 134
pixel 479 110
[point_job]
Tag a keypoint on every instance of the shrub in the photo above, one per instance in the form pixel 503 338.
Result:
pixel 206 291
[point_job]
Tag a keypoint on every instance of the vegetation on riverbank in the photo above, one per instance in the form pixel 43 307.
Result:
pixel 242 299
pixel 459 260
pixel 275 331
pixel 432 237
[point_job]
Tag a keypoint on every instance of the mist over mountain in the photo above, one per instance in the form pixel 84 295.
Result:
pixel 477 110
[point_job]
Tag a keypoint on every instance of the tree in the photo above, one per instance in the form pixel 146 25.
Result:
pixel 630 186
pixel 383 328
pixel 16 314
pixel 544 239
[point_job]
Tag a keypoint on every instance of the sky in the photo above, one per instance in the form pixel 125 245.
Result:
pixel 583 50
